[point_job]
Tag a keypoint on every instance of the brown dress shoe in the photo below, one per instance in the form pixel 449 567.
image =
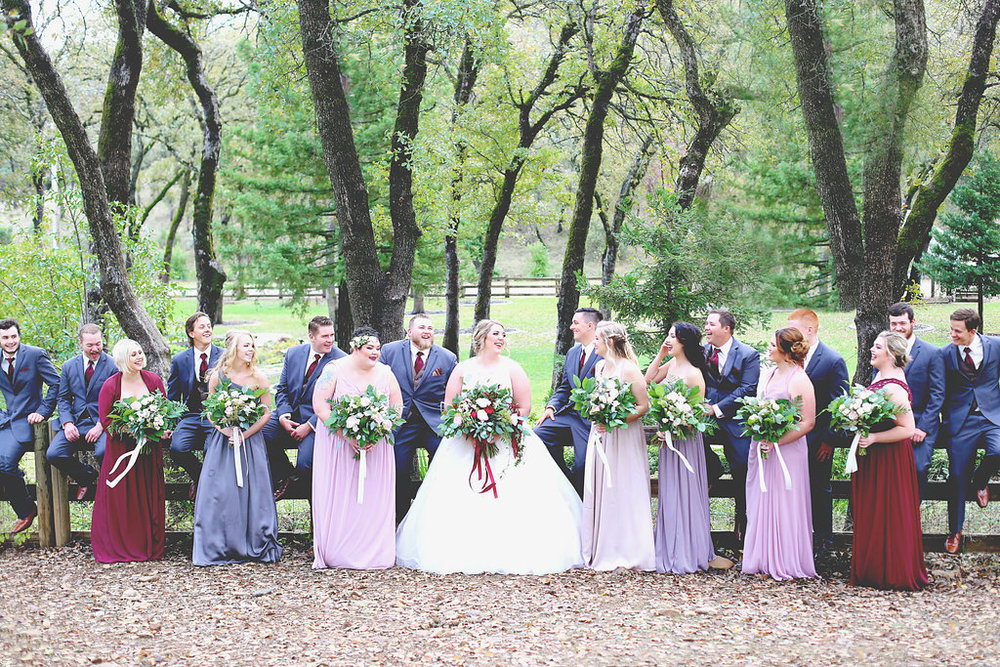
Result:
pixel 282 489
pixel 23 524
pixel 953 543
pixel 983 497
pixel 193 491
pixel 81 492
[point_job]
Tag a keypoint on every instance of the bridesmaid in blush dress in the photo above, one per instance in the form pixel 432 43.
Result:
pixel 683 534
pixel 888 550
pixel 617 531
pixel 779 520
pixel 129 520
pixel 233 523
pixel 348 533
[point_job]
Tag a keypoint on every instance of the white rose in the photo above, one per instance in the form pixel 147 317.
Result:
pixel 352 422
pixel 365 401
pixel 457 421
pixel 481 415
pixel 136 405
pixel 483 402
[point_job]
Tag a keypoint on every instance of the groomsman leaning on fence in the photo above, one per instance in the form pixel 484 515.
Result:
pixel 23 371
pixel 926 379
pixel 422 370
pixel 188 384
pixel 827 371
pixel 79 388
pixel 293 422
pixel 561 423
pixel 733 372
pixel 971 415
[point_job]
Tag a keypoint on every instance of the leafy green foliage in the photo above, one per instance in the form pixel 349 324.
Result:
pixel 679 410
pixel 605 401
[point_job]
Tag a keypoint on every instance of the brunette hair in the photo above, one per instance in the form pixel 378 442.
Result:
pixel 189 325
pixel 591 314
pixel 967 315
pixel 726 318
pixel 690 338
pixel 319 321
pixel 10 324
pixel 791 341
pixel 902 308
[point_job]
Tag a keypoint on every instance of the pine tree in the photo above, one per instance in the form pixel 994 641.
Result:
pixel 965 250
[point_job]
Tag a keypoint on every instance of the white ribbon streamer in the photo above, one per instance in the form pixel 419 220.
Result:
pixel 760 468
pixel 596 442
pixel 668 439
pixel 132 456
pixel 238 442
pixel 852 456
pixel 362 473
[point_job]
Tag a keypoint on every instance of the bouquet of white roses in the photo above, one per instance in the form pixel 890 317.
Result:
pixel 368 418
pixel 857 412
pixel 147 419
pixel 678 411
pixel 605 401
pixel 488 416
pixel 235 407
pixel 768 420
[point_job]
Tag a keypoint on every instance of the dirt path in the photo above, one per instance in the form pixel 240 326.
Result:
pixel 59 607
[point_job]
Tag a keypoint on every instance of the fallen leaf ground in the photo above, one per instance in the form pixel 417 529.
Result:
pixel 60 607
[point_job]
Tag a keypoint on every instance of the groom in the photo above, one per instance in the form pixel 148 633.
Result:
pixel 733 372
pixel 562 424
pixel 422 370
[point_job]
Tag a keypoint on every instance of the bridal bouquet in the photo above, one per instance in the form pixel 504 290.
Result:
pixel 147 419
pixel 487 415
pixel 368 418
pixel 768 420
pixel 605 401
pixel 678 411
pixel 238 408
pixel 857 412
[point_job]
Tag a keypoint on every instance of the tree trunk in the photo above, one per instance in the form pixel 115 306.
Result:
pixel 527 131
pixel 590 167
pixel 882 177
pixel 826 147
pixel 211 276
pixel 175 223
pixel 117 289
pixel 376 298
pixel 38 178
pixel 468 72
pixel 342 318
pixel 932 192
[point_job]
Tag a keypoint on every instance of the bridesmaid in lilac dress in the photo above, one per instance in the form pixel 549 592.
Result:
pixel 616 530
pixel 348 533
pixel 779 520
pixel 683 534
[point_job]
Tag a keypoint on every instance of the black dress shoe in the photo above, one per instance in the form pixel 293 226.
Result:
pixel 192 491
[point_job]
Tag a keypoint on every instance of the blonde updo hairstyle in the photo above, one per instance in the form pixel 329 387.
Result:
pixel 228 358
pixel 895 345
pixel 480 332
pixel 122 350
pixel 615 337
pixel 792 343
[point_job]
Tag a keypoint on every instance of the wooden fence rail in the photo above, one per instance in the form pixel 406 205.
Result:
pixel 53 492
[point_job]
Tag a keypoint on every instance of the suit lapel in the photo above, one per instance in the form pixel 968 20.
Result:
pixel 589 362
pixel 916 350
pixel 406 358
pixel 817 356
pixel 986 354
pixel 730 358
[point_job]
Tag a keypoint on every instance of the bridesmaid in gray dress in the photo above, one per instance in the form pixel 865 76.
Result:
pixel 683 532
pixel 234 524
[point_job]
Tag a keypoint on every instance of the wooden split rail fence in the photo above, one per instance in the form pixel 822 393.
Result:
pixel 53 493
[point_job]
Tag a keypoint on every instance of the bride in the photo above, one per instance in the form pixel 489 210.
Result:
pixel 532 526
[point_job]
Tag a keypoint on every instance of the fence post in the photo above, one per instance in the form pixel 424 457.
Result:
pixel 43 484
pixel 60 501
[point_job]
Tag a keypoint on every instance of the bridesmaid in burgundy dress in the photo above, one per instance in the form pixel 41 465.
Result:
pixel 129 520
pixel 888 540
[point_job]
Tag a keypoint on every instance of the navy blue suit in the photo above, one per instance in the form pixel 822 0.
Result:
pixel 77 403
pixel 193 429
pixel 736 379
pixel 568 427
pixel 293 397
pixel 421 409
pixel 972 416
pixel 32 369
pixel 827 371
pixel 926 378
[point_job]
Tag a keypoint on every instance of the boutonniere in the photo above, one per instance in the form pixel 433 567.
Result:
pixel 437 372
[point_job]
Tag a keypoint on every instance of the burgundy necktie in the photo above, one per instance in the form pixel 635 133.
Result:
pixel 88 375
pixel 10 369
pixel 312 367
pixel 583 362
pixel 968 359
pixel 418 368
pixel 203 369
pixel 713 361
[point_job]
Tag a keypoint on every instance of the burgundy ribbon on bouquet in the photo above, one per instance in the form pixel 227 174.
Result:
pixel 481 467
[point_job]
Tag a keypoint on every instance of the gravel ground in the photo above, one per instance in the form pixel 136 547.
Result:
pixel 59 607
